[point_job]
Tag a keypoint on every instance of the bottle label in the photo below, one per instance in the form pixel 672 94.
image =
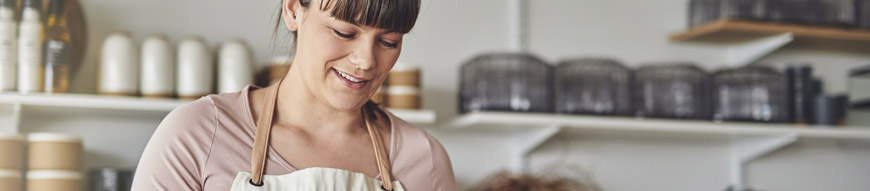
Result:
pixel 8 30
pixel 29 45
pixel 57 66
pixel 56 52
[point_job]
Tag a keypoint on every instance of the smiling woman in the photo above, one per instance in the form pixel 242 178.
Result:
pixel 316 129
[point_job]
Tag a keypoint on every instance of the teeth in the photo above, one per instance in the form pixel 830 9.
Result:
pixel 350 78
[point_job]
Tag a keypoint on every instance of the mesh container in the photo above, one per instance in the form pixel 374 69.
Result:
pixel 744 9
pixel 593 86
pixel 506 82
pixel 841 13
pixel 862 9
pixel 703 11
pixel 677 90
pixel 750 94
pixel 797 11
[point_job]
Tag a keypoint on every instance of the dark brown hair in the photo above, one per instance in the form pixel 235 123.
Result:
pixel 392 15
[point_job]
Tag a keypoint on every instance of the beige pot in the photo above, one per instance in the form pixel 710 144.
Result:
pixel 10 180
pixel 54 180
pixel 54 151
pixel 11 152
pixel 404 75
pixel 403 97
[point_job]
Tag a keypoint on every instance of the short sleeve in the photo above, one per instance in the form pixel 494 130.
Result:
pixel 178 149
pixel 442 171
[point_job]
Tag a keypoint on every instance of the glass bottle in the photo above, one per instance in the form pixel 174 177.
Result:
pixel 58 63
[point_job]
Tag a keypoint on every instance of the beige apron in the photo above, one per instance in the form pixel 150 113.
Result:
pixel 310 178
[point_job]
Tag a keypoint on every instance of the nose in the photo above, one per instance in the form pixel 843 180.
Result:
pixel 363 56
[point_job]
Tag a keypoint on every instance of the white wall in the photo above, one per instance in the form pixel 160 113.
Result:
pixel 450 32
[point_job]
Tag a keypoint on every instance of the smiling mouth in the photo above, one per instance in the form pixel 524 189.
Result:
pixel 349 77
pixel 349 81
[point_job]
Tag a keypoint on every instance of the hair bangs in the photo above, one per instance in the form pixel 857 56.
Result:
pixel 391 15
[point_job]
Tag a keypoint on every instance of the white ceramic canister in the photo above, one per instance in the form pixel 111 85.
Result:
pixel 53 180
pixel 11 152
pixel 235 68
pixel 158 67
pixel 8 46
pixel 54 151
pixel 119 65
pixel 195 69
pixel 10 179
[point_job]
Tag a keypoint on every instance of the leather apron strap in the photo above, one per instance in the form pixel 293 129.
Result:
pixel 264 128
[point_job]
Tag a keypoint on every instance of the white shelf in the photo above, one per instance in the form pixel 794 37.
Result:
pixel 89 101
pixel 507 119
pixel 748 141
pixel 92 101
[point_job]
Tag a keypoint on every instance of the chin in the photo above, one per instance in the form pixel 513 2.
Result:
pixel 346 103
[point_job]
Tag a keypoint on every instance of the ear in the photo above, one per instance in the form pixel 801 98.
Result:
pixel 291 12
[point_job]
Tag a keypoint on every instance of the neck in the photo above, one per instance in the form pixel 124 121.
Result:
pixel 297 106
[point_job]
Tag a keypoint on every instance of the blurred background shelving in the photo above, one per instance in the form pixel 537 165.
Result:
pixel 622 153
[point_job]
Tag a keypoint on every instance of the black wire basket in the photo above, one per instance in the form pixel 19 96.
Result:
pixel 506 82
pixel 593 86
pixel 672 90
pixel 750 94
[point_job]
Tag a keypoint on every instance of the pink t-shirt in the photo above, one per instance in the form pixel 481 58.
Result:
pixel 203 145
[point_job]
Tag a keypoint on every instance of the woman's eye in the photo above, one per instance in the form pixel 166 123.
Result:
pixel 343 35
pixel 388 44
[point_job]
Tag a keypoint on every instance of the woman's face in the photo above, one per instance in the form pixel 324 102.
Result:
pixel 341 63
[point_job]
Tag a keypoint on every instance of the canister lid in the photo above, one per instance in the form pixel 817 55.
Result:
pixel 54 174
pixel 405 67
pixel 281 60
pixel 53 137
pixel 7 173
pixel 403 90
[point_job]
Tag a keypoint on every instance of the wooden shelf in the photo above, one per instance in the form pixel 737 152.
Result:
pixel 668 126
pixel 729 29
pixel 90 101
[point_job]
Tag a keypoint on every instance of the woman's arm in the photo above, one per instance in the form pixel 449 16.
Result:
pixel 442 171
pixel 178 150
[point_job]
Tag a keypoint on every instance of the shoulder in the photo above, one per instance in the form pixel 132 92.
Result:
pixel 419 160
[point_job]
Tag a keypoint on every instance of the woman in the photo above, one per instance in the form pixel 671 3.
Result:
pixel 315 129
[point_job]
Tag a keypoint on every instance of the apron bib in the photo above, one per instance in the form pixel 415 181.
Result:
pixel 316 178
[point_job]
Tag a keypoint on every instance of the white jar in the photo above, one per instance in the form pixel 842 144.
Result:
pixel 8 46
pixel 195 69
pixel 158 67
pixel 119 65
pixel 235 69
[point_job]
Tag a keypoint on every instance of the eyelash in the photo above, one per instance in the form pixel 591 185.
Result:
pixel 385 43
pixel 343 35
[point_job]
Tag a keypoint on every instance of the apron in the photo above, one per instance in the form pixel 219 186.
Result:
pixel 315 178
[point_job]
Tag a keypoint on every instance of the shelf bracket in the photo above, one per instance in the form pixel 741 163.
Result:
pixel 747 52
pixel 526 140
pixel 14 123
pixel 746 149
pixel 16 118
pixel 518 15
